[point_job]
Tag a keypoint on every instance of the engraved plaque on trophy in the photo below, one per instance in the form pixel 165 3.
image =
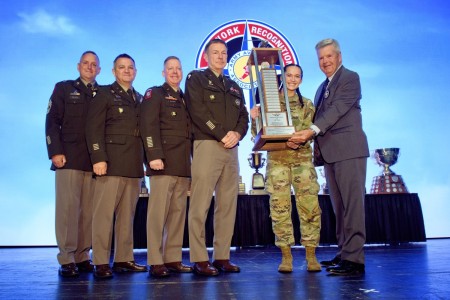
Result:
pixel 274 126
pixel 388 182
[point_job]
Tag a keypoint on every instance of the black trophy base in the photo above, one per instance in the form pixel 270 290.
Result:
pixel 258 184
pixel 388 184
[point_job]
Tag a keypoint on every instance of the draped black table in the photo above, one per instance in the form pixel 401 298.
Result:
pixel 390 219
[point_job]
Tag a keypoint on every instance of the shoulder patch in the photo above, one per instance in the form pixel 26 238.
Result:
pixel 235 90
pixel 148 94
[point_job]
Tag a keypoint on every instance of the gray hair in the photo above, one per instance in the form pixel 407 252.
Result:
pixel 327 42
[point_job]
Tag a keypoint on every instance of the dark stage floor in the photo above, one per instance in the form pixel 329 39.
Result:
pixel 409 271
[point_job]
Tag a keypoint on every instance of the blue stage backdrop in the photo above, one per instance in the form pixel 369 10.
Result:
pixel 399 49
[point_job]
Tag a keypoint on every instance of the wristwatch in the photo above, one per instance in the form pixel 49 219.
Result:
pixel 314 133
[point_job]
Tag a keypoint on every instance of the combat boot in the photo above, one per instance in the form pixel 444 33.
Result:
pixel 286 260
pixel 311 260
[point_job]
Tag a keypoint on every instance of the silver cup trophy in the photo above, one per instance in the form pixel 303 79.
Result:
pixel 388 182
pixel 256 162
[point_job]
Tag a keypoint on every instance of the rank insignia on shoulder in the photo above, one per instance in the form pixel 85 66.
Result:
pixel 148 94
pixel 212 97
pixel 189 76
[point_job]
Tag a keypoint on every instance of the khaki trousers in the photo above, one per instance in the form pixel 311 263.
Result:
pixel 73 215
pixel 115 200
pixel 166 216
pixel 214 169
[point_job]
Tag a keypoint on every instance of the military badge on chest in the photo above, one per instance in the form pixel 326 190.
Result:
pixel 172 103
pixel 117 101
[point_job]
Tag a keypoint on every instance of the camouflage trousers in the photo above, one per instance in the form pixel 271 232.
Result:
pixel 281 174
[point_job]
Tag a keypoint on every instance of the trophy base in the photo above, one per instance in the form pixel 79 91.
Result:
pixel 270 142
pixel 388 184
pixel 241 190
pixel 258 192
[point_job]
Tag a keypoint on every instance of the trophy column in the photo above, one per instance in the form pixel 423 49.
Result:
pixel 275 126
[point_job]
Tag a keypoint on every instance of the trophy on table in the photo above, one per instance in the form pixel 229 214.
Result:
pixel 388 182
pixel 144 190
pixel 324 190
pixel 256 162
pixel 274 125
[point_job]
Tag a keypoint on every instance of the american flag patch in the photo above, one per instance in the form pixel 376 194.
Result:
pixel 149 142
pixel 96 147
pixel 210 125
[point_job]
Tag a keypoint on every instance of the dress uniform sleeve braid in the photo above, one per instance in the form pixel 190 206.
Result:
pixel 53 121
pixel 150 124
pixel 95 126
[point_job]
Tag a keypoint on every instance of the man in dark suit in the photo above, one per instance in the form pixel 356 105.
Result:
pixel 117 155
pixel 67 149
pixel 341 144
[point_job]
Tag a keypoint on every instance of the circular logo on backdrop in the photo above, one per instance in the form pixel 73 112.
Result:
pixel 241 36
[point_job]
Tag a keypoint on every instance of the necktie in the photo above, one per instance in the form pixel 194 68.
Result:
pixel 322 93
pixel 131 94
pixel 92 89
pixel 221 81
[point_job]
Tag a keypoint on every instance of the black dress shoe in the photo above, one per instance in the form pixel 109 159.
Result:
pixel 159 271
pixel 347 268
pixel 204 268
pixel 85 266
pixel 179 267
pixel 68 270
pixel 128 266
pixel 103 272
pixel 226 266
pixel 330 263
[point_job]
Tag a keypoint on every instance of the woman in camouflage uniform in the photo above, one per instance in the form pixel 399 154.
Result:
pixel 293 167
